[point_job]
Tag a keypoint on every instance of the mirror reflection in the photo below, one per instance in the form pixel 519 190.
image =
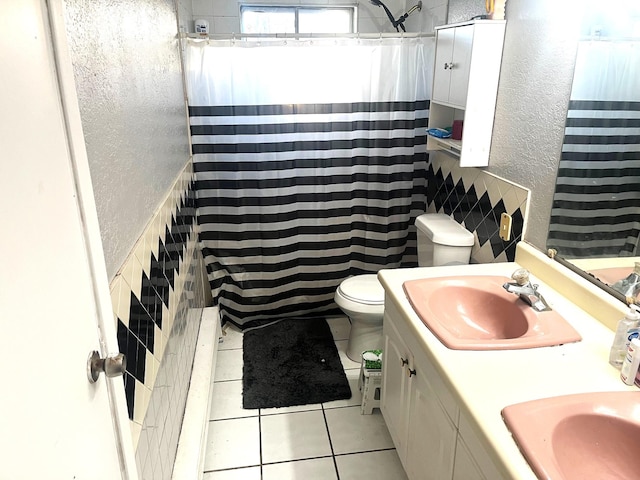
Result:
pixel 595 217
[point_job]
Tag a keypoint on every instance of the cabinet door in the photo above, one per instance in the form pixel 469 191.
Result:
pixel 395 384
pixel 461 61
pixel 442 72
pixel 465 467
pixel 432 435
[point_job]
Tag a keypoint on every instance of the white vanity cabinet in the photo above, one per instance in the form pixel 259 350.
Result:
pixel 423 433
pixel 422 416
pixel 465 87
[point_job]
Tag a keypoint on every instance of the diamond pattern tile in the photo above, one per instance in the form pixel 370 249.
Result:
pixel 477 199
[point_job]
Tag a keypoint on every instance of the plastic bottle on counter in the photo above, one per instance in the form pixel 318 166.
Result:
pixel 631 362
pixel 628 328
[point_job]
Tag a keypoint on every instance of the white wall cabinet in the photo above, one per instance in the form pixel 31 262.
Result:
pixel 432 438
pixel 465 87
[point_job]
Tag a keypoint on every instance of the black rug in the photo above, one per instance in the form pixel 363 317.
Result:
pixel 293 362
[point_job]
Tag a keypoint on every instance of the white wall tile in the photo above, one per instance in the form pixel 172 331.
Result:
pixel 225 8
pixel 226 25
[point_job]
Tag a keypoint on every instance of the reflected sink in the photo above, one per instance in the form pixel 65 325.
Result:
pixel 476 313
pixel 591 435
pixel 611 275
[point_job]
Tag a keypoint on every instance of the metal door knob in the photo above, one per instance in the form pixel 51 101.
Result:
pixel 113 366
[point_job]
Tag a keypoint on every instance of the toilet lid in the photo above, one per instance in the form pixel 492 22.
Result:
pixel 363 289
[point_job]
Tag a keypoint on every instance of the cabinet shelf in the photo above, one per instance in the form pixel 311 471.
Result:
pixel 448 145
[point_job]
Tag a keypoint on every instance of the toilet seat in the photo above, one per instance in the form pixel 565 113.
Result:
pixel 363 289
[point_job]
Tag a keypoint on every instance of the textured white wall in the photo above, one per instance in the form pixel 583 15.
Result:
pixel 535 83
pixel 127 69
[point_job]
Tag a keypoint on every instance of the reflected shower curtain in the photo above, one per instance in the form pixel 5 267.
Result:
pixel 310 160
pixel 596 206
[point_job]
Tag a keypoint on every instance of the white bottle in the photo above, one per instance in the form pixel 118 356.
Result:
pixel 628 328
pixel 631 362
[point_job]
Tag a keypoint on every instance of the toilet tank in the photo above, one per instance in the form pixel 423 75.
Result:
pixel 442 241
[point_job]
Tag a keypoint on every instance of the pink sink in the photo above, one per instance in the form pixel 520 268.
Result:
pixel 476 313
pixel 593 435
pixel 611 275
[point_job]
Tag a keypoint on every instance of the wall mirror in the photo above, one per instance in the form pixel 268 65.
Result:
pixel 595 217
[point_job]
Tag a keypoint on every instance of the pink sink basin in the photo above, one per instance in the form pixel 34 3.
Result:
pixel 612 275
pixel 476 313
pixel 594 435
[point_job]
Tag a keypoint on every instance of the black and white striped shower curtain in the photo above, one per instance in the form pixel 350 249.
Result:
pixel 596 206
pixel 311 166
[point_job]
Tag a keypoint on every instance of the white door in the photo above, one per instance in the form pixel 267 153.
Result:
pixel 461 64
pixel 431 444
pixel 54 424
pixel 395 387
pixel 442 70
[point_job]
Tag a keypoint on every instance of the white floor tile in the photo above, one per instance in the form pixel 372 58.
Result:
pixel 232 443
pixel 352 432
pixel 295 408
pixel 251 473
pixel 340 327
pixel 314 469
pixel 294 436
pixel 232 339
pixel 378 465
pixel 347 363
pixel 356 396
pixel 228 365
pixel 226 401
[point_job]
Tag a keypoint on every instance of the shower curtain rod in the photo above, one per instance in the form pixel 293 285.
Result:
pixel 304 36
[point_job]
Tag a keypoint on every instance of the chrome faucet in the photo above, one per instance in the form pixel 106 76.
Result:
pixel 526 290
pixel 629 286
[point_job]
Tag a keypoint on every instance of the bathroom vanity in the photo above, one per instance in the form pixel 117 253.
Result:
pixel 443 406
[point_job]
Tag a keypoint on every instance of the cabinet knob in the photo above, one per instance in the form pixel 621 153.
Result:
pixel 113 366
pixel 410 372
pixel 404 362
pixel 449 66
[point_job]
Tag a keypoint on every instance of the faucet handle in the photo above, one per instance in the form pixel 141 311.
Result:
pixel 521 276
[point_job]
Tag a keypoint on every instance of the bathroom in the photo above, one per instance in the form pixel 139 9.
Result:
pixel 144 194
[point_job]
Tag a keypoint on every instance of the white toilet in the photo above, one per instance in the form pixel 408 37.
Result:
pixel 441 241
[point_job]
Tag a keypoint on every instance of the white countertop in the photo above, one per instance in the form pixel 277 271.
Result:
pixel 484 382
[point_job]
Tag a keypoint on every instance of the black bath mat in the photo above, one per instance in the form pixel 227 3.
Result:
pixel 292 362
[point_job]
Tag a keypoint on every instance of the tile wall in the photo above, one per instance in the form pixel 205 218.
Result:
pixel 224 15
pixel 157 298
pixel 476 199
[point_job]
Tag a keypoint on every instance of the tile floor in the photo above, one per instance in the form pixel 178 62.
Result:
pixel 328 441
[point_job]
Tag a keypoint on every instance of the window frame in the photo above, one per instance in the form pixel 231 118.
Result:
pixel 296 9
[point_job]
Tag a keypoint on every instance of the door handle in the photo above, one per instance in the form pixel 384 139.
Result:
pixel 113 366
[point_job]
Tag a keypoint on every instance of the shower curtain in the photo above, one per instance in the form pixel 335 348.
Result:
pixel 310 160
pixel 596 206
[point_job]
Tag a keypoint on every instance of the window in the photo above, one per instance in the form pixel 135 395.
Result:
pixel 296 19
